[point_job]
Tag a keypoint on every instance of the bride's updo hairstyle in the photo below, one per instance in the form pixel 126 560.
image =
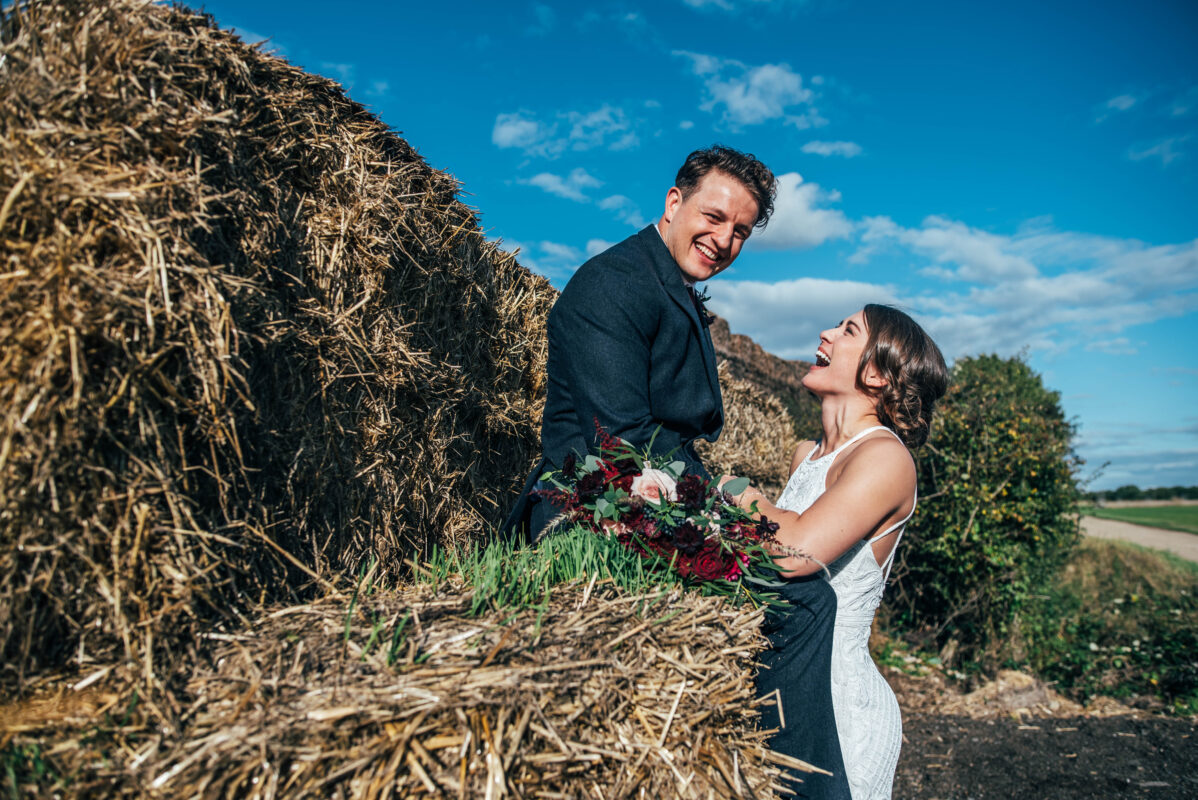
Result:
pixel 913 368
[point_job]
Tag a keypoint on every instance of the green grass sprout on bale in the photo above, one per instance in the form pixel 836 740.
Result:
pixel 1173 518
pixel 508 574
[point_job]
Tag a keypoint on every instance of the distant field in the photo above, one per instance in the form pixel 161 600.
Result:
pixel 1174 518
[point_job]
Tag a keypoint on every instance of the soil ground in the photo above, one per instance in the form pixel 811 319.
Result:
pixel 1016 739
pixel 1176 542
pixel 1070 758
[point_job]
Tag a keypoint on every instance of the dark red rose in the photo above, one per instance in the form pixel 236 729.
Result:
pixel 684 565
pixel 688 538
pixel 590 486
pixel 623 482
pixel 711 563
pixel 692 492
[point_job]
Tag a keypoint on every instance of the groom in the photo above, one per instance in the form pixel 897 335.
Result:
pixel 629 348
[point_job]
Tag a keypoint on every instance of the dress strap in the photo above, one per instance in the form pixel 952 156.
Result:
pixel 836 452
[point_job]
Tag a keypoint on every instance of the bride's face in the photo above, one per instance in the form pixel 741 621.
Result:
pixel 838 356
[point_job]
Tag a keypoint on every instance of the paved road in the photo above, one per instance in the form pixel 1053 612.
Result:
pixel 1177 542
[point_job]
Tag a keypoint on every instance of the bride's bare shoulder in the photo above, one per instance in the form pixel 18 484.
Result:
pixel 801 452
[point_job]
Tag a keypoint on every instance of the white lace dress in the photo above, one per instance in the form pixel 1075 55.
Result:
pixel 867 713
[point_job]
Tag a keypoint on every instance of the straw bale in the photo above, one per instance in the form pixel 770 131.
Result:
pixel 597 693
pixel 249 338
pixel 758 439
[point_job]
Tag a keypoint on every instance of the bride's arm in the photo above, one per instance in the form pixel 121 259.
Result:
pixel 876 480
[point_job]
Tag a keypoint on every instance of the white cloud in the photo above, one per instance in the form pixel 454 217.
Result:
pixel 342 73
pixel 1041 289
pixel 606 127
pixel 1115 105
pixel 798 219
pixel 786 317
pixel 561 252
pixel 1121 102
pixel 571 187
pixel 1184 103
pixel 1167 150
pixel 551 259
pixel 519 130
pixel 625 210
pixel 545 20
pixel 378 89
pixel 846 149
pixel 1120 346
pixel 597 246
pixel 749 95
pixel 959 252
pixel 686 125
pixel 742 5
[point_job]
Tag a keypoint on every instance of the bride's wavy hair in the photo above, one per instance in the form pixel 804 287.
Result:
pixel 913 368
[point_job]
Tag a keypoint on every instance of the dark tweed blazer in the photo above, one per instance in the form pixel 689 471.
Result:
pixel 626 348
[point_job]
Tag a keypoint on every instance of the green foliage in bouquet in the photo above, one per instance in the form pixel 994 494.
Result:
pixel 997 489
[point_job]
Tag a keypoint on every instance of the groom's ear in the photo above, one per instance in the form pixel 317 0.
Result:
pixel 673 200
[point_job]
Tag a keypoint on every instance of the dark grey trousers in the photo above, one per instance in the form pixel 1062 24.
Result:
pixel 798 667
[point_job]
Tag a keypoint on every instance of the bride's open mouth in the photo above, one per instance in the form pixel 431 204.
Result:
pixel 821 359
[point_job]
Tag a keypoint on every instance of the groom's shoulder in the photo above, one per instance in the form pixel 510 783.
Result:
pixel 628 262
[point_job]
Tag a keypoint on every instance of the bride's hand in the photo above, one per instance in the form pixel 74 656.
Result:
pixel 745 498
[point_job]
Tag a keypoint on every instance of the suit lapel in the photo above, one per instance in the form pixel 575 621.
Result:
pixel 670 278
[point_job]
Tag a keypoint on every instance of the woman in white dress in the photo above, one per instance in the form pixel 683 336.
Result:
pixel 877 376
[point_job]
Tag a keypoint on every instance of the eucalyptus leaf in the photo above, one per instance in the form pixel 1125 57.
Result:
pixel 591 463
pixel 736 485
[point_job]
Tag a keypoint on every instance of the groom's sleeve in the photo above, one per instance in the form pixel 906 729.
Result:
pixel 604 325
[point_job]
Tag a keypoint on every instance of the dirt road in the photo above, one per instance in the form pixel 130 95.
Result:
pixel 1176 542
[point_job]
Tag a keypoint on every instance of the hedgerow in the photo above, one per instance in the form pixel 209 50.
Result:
pixel 995 520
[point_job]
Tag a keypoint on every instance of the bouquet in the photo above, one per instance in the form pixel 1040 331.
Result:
pixel 683 523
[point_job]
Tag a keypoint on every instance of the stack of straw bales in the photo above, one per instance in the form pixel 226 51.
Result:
pixel 249 337
pixel 251 342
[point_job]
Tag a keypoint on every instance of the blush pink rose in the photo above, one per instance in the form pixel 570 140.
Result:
pixel 654 484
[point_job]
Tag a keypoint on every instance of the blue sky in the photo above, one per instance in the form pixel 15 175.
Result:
pixel 1022 177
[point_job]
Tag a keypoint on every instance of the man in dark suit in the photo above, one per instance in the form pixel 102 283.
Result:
pixel 629 348
pixel 628 339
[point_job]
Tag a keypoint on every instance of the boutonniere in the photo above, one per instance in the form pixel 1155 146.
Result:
pixel 701 298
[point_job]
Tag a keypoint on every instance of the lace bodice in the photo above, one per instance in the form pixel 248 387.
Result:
pixel 867 714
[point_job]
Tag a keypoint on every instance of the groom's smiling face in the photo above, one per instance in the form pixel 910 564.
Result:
pixel 705 230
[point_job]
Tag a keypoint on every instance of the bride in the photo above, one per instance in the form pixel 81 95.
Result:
pixel 877 376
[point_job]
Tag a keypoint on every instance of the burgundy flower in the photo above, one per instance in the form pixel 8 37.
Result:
pixel 692 492
pixel 569 465
pixel 605 440
pixel 711 563
pixel 623 482
pixel 591 485
pixel 688 537
pixel 766 529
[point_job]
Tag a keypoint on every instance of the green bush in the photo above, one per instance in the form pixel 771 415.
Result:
pixel 1120 620
pixel 997 490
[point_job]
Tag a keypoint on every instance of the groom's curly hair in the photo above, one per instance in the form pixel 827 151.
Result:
pixel 744 167
pixel 913 368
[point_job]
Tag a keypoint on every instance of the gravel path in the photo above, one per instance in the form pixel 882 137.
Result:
pixel 1176 542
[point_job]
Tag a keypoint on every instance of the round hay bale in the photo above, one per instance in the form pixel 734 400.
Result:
pixel 758 439
pixel 249 337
